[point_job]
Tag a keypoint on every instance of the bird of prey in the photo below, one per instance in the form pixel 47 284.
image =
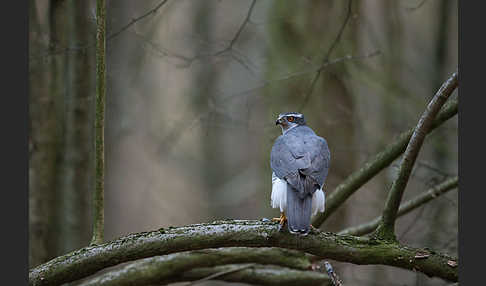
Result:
pixel 300 163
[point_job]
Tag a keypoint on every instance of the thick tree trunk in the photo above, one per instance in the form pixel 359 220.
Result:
pixel 61 93
pixel 75 180
pixel 43 141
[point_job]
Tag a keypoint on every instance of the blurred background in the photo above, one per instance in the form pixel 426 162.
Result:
pixel 193 91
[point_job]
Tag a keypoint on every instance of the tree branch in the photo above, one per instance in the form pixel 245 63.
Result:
pixel 406 207
pixel 260 275
pixel 83 48
pixel 189 60
pixel 373 166
pixel 135 20
pixel 240 29
pixel 386 230
pixel 233 268
pixel 357 250
pixel 167 268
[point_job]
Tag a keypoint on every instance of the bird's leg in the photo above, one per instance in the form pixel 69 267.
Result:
pixel 280 219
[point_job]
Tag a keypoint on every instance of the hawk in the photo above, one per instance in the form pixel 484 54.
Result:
pixel 300 162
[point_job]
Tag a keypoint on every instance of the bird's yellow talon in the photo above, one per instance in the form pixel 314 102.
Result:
pixel 280 219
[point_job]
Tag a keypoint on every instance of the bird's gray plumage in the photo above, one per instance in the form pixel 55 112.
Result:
pixel 301 158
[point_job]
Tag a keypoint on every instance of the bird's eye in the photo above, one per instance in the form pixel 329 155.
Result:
pixel 290 118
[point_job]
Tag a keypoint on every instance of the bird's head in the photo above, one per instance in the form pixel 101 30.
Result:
pixel 290 120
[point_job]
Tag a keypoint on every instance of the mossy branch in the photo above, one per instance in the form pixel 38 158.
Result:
pixel 98 194
pixel 373 166
pixel 357 250
pixel 169 268
pixel 258 274
pixel 406 207
pixel 386 229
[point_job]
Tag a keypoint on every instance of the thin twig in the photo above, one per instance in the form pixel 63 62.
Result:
pixel 260 274
pixel 432 168
pixel 386 230
pixel 412 223
pixel 326 58
pixel 303 72
pixel 176 132
pixel 51 52
pixel 221 273
pixel 190 60
pixel 416 7
pixel 406 207
pixel 334 277
pixel 240 29
pixel 135 20
pixel 328 63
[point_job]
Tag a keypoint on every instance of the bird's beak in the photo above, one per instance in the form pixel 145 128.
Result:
pixel 277 122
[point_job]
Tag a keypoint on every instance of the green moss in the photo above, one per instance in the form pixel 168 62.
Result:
pixel 383 233
pixel 259 236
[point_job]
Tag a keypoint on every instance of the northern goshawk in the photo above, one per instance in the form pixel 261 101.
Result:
pixel 300 163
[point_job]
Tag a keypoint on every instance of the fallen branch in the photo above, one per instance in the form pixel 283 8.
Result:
pixel 357 250
pixel 406 207
pixel 386 229
pixel 373 166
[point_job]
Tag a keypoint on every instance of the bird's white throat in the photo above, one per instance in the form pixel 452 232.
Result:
pixel 288 129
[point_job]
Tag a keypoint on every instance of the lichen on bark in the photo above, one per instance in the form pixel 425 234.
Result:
pixel 242 233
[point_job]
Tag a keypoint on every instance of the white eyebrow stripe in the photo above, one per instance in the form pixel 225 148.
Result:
pixel 295 115
pixel 289 114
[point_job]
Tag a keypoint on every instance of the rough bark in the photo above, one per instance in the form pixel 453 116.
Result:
pixel 357 250
pixel 169 268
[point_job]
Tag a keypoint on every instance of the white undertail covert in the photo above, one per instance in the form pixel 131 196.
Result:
pixel 279 196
